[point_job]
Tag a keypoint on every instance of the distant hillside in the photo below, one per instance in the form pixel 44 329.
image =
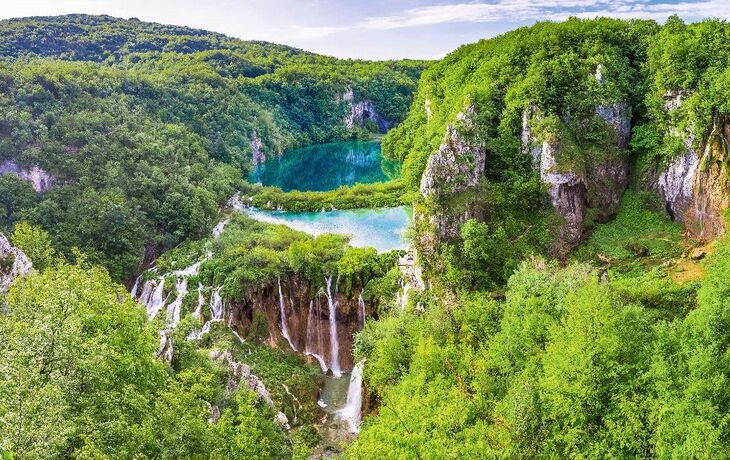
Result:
pixel 136 119
pixel 80 37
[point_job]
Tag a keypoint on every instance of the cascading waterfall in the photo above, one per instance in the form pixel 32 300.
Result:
pixel 334 345
pixel 216 304
pixel 216 311
pixel 352 412
pixel 156 301
pixel 173 310
pixel 135 287
pixel 314 335
pixel 199 309
pixel 218 229
pixel 282 312
pixel 361 310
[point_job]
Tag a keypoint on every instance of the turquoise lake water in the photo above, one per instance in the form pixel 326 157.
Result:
pixel 379 228
pixel 327 166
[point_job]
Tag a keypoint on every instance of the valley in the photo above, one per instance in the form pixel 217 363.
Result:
pixel 217 248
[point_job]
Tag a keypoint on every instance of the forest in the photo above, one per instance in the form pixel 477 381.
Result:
pixel 514 326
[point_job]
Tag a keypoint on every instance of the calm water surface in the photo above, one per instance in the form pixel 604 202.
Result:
pixel 327 166
pixel 381 228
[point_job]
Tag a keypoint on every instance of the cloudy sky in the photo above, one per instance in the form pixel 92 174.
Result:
pixel 372 29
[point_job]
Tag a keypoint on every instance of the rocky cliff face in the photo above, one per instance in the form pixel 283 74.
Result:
pixel 318 324
pixel 257 150
pixel 457 167
pixel 240 375
pixel 361 111
pixel 597 188
pixel 38 178
pixel 14 263
pixel 695 185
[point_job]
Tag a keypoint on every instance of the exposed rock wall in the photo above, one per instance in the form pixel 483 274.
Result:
pixel 457 167
pixel 240 375
pixel 15 263
pixel 38 178
pixel 307 316
pixel 573 193
pixel 257 150
pixel 695 185
pixel 359 112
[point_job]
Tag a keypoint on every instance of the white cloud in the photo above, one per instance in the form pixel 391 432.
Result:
pixel 527 10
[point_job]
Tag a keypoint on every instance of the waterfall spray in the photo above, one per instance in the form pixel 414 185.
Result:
pixel 361 310
pixel 352 412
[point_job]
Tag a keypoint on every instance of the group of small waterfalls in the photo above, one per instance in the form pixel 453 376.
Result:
pixel 319 325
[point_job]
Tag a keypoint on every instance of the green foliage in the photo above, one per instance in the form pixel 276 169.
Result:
pixel 565 366
pixel 689 61
pixel 15 195
pixel 250 256
pixel 78 361
pixel 689 371
pixel 35 243
pixel 550 66
pixel 133 119
pixel 80 380
pixel 377 195
pixel 637 236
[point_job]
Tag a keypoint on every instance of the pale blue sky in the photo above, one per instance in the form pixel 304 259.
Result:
pixel 375 29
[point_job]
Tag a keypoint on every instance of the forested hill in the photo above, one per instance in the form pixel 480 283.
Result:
pixel 136 133
pixel 80 37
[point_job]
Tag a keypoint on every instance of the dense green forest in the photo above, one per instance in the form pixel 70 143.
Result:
pixel 147 129
pixel 614 344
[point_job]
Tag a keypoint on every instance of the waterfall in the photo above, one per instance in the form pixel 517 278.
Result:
pixel 199 309
pixel 313 334
pixel 218 229
pixel 154 305
pixel 146 293
pixel 216 305
pixel 135 287
pixel 237 336
pixel 361 310
pixel 282 312
pixel 334 345
pixel 173 310
pixel 216 311
pixel 352 412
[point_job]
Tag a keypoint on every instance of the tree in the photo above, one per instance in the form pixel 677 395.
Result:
pixel 78 364
pixel 35 243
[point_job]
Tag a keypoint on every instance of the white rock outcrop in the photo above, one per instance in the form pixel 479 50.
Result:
pixel 38 178
pixel 16 263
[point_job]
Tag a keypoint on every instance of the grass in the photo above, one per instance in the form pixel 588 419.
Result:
pixel 637 238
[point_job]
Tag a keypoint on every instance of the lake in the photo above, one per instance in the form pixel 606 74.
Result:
pixel 381 228
pixel 326 167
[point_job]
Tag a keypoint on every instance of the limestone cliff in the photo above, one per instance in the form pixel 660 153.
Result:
pixel 359 112
pixel 695 185
pixel 14 263
pixel 457 167
pixel 597 186
pixel 37 177
pixel 257 150
pixel 308 326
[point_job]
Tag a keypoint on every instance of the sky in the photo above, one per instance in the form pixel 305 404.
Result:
pixel 368 29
